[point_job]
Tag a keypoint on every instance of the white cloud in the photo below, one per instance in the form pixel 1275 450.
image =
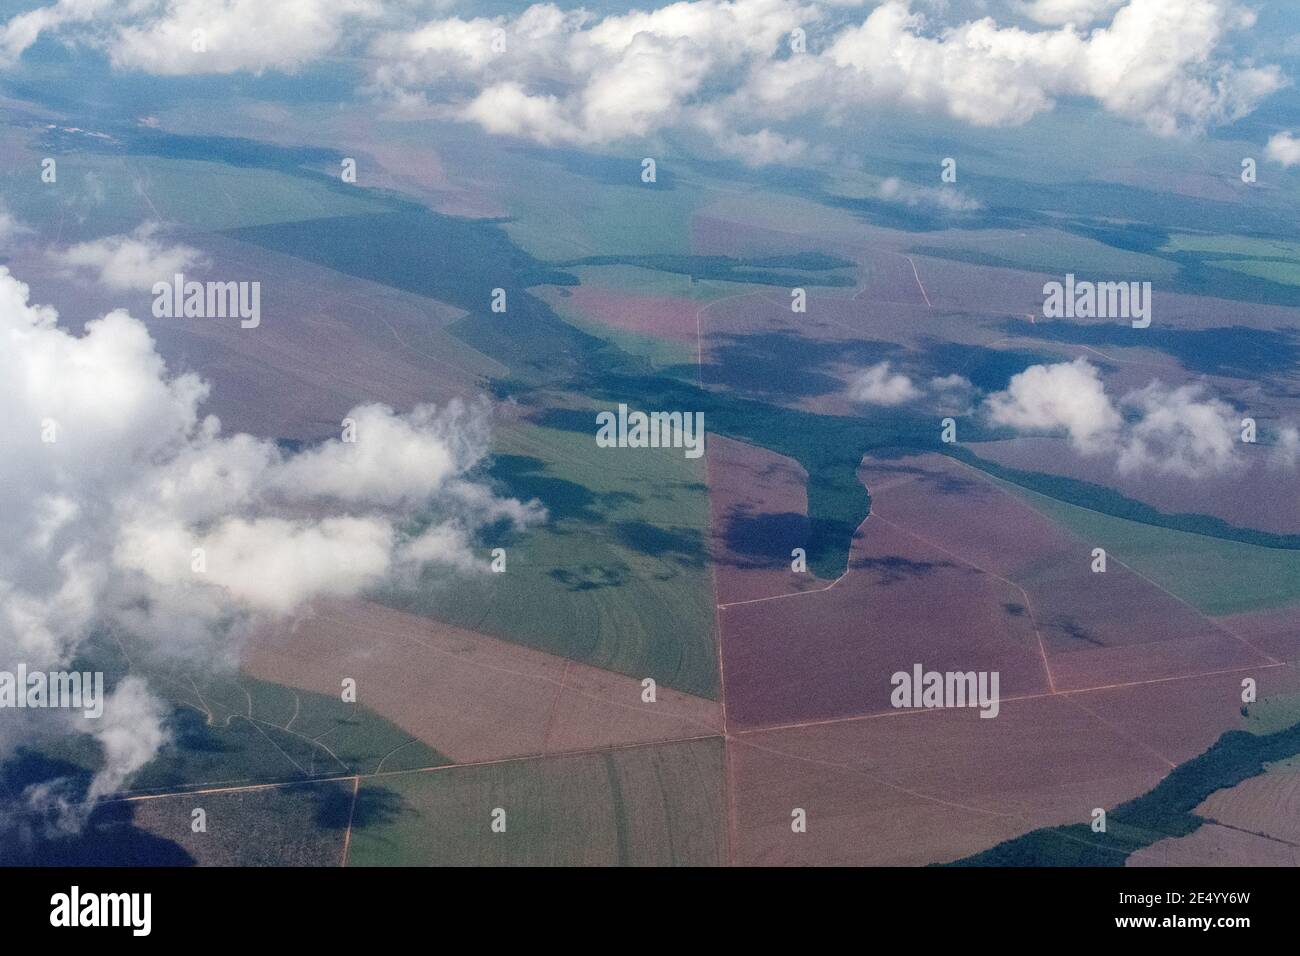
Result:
pixel 236 35
pixel 130 262
pixel 952 394
pixel 879 385
pixel 1162 429
pixel 1286 451
pixel 572 77
pixel 159 36
pixel 893 189
pixel 101 524
pixel 1154 63
pixel 723 66
pixel 130 732
pixel 1179 431
pixel 1066 397
pixel 1283 148
pixel 24 29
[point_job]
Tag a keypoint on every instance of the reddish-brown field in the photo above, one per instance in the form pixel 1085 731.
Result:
pixel 1273 632
pixel 912 788
pixel 831 653
pixel 1019 598
pixel 1180 718
pixel 1096 629
pixel 1140 682
pixel 1260 495
pixel 467 695
pixel 1268 805
pixel 658 315
pixel 1214 845
pixel 758 512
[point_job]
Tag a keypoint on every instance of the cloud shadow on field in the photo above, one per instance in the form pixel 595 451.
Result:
pixel 936 481
pixel 524 477
pixel 987 369
pixel 682 546
pixel 782 366
pixel 589 577
pixel 764 540
pixel 335 806
pixel 1072 629
pixel 109 837
pixel 1229 350
pixel 893 568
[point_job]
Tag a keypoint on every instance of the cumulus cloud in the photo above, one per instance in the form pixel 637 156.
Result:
pixel 130 262
pixel 952 394
pixel 727 67
pixel 1169 430
pixel 879 385
pixel 1178 431
pixel 128 509
pixel 1153 63
pixel 1067 397
pixel 1286 450
pixel 24 29
pixel 950 199
pixel 571 77
pixel 181 37
pixel 1283 148
pixel 634 74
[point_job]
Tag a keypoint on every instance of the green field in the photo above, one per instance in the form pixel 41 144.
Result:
pixel 1248 246
pixel 232 729
pixel 124 191
pixel 656 805
pixel 571 205
pixel 1281 271
pixel 1050 251
pixel 617 577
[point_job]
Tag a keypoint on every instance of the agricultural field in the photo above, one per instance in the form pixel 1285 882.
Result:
pixel 642 806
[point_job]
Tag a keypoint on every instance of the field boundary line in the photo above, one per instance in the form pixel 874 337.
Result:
pixel 352 809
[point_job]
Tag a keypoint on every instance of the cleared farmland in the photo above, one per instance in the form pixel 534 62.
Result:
pixel 659 805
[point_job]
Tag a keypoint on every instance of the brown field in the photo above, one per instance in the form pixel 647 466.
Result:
pixel 1213 845
pixel 1274 632
pixel 1180 718
pixel 1268 805
pixel 467 695
pixel 658 315
pixel 756 224
pixel 758 510
pixel 1097 629
pixel 1261 495
pixel 831 653
pixel 912 788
